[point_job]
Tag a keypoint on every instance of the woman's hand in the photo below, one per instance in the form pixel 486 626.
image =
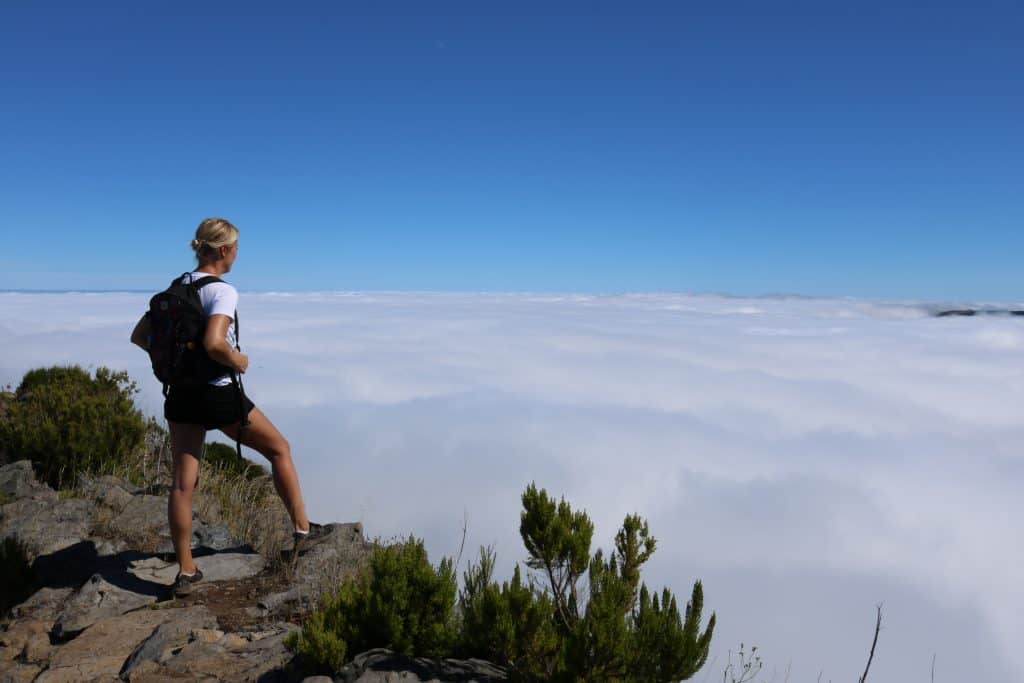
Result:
pixel 241 362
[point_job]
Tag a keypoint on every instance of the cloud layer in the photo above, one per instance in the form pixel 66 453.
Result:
pixel 805 458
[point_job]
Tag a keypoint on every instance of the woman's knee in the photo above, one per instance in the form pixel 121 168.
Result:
pixel 269 443
pixel 183 489
pixel 184 482
pixel 278 449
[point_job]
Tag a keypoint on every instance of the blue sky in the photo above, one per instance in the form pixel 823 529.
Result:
pixel 863 149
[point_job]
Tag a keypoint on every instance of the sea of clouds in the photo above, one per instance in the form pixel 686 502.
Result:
pixel 807 459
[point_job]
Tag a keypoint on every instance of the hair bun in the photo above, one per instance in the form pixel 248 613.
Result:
pixel 197 243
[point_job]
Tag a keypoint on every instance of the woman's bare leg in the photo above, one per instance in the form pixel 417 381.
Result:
pixel 186 447
pixel 262 436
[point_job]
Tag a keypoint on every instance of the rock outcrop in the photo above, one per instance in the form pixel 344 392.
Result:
pixel 102 611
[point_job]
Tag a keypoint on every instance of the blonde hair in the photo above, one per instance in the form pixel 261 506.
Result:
pixel 211 235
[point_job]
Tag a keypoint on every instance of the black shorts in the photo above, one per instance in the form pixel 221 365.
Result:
pixel 211 406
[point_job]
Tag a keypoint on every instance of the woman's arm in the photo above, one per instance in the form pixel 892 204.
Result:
pixel 217 347
pixel 140 335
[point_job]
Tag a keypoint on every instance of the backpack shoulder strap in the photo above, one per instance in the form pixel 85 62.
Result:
pixel 203 281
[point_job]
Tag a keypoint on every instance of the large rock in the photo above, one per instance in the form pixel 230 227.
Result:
pixel 264 660
pixel 18 480
pixel 98 599
pixel 212 537
pixel 16 672
pixel 342 555
pixel 112 492
pixel 47 525
pixel 19 634
pixel 205 536
pixel 215 567
pixel 101 650
pixel 320 570
pixel 384 666
pixel 43 605
pixel 142 523
pixel 38 649
pixel 168 637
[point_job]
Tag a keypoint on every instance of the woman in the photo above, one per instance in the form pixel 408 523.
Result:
pixel 215 405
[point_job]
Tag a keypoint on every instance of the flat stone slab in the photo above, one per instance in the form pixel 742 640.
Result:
pixel 98 599
pixel 216 567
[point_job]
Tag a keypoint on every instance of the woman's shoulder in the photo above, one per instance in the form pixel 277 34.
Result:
pixel 216 290
pixel 220 282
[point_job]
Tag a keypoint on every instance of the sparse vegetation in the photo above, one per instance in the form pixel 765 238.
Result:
pixel 745 668
pixel 225 458
pixel 246 504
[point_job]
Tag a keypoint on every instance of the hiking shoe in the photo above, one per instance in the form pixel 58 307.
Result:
pixel 318 533
pixel 183 584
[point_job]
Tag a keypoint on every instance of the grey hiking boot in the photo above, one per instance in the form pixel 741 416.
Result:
pixel 183 583
pixel 318 533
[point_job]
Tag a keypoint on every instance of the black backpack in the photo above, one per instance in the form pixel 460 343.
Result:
pixel 177 326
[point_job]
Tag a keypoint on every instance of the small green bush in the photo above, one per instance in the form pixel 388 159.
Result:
pixel 16 575
pixel 67 422
pixel 401 602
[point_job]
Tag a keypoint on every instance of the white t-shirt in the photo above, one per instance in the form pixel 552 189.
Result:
pixel 219 298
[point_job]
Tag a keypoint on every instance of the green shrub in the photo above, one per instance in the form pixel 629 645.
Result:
pixel 544 629
pixel 512 623
pixel 16 575
pixel 244 500
pixel 401 602
pixel 616 631
pixel 67 422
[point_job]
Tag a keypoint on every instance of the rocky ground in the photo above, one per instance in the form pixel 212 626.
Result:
pixel 99 607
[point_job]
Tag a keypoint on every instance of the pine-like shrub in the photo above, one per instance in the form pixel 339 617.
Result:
pixel 611 630
pixel 401 602
pixel 67 422
pixel 512 623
